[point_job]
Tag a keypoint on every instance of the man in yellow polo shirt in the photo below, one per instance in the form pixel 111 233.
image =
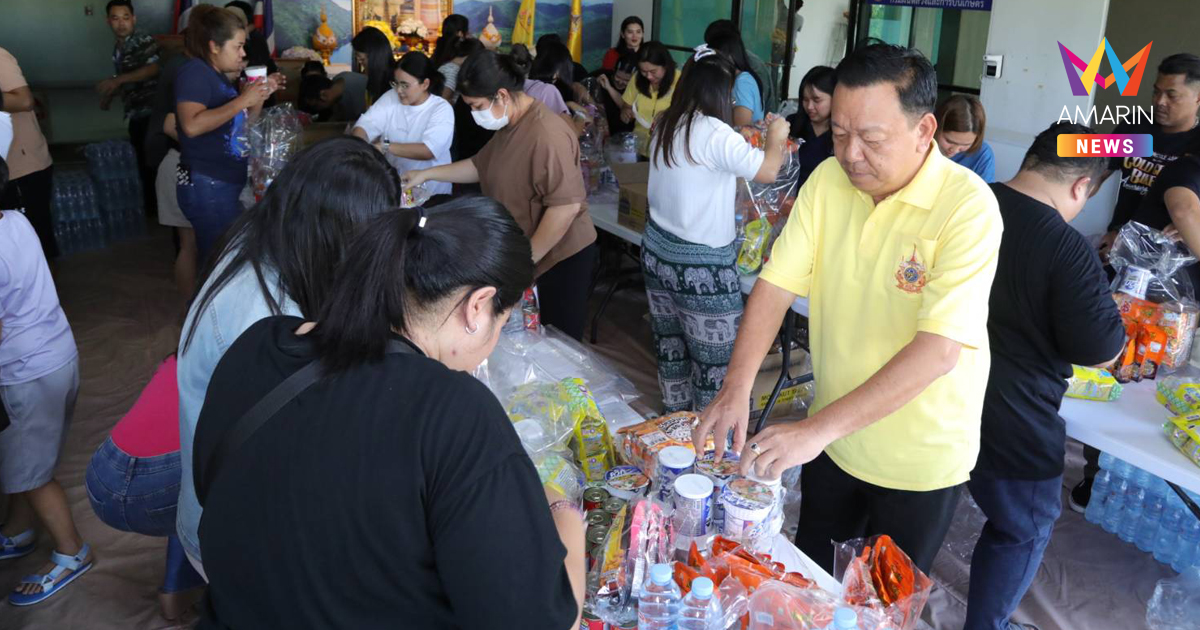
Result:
pixel 895 247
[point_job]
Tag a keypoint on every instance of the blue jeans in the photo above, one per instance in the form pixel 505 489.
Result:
pixel 211 205
pixel 1020 518
pixel 139 495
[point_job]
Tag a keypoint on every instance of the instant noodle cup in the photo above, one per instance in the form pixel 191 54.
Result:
pixel 673 461
pixel 719 473
pixel 693 504
pixel 626 482
pixel 747 506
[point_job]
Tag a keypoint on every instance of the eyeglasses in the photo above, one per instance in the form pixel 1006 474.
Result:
pixel 402 86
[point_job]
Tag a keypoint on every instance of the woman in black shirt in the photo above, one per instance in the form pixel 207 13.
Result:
pixel 393 492
pixel 811 124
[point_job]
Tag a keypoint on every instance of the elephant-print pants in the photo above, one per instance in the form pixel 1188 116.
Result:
pixel 695 309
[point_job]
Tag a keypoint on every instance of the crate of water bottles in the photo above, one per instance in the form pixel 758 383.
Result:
pixel 1142 509
pixel 75 212
pixel 114 170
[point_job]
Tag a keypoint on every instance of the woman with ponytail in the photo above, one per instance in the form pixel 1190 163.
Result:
pixel 391 490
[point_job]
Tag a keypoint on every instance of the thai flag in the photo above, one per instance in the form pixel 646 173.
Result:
pixel 180 7
pixel 264 21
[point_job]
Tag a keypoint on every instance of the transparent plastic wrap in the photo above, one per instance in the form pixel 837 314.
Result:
pixel 1184 433
pixel 621 149
pixel 1180 392
pixel 876 574
pixel 779 606
pixel 1175 604
pixel 270 142
pixel 640 536
pixel 764 208
pixel 1089 383
pixel 414 196
pixel 641 443
pixel 550 415
pixel 1157 302
pixel 591 163
pixel 557 471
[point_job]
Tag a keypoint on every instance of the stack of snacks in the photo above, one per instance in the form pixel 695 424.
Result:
pixel 1093 384
pixel 764 208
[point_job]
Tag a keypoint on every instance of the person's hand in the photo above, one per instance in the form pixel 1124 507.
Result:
pixel 414 178
pixel 107 87
pixel 553 495
pixel 1172 233
pixel 729 410
pixel 783 446
pixel 255 93
pixel 626 114
pixel 1106 244
pixel 604 82
pixel 106 102
pixel 778 130
pixel 277 82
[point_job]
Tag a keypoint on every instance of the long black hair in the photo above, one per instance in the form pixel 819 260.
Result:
pixel 554 66
pixel 485 73
pixel 730 43
pixel 419 66
pixel 703 90
pixel 822 78
pixel 299 231
pixel 621 47
pixel 454 28
pixel 378 49
pixel 657 54
pixel 397 269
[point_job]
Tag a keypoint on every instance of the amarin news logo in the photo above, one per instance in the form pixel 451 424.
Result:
pixel 1081 85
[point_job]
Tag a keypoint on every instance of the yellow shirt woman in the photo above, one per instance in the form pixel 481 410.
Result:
pixel 647 108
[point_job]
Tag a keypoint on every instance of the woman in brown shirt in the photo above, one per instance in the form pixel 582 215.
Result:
pixel 531 166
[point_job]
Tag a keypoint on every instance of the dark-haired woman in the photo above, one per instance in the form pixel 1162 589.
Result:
pixel 531 166
pixel 688 253
pixel 353 92
pixel 462 49
pixel 278 259
pixel 412 126
pixel 961 123
pixel 649 94
pixel 455 29
pixel 747 86
pixel 554 67
pixel 392 490
pixel 811 124
pixel 630 41
pixel 210 114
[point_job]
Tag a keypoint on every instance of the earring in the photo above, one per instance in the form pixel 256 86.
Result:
pixel 471 331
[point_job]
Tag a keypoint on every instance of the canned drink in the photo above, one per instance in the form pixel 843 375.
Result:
pixel 596 535
pixel 590 621
pixel 614 505
pixel 594 498
pixel 599 517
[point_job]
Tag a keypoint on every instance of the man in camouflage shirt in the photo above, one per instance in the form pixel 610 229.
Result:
pixel 136 68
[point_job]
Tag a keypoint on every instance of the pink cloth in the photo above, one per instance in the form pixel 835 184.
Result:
pixel 151 427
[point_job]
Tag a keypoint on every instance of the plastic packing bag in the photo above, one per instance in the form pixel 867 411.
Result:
pixel 1180 392
pixel 557 471
pixel 270 142
pixel 640 537
pixel 1149 265
pixel 877 575
pixel 1175 604
pixel 1089 383
pixel 779 606
pixel 764 208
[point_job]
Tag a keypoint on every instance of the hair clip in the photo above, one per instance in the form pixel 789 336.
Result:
pixel 422 218
pixel 703 51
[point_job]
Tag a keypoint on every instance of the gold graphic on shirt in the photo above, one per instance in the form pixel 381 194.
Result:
pixel 910 277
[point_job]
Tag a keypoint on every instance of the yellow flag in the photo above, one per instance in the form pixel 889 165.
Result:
pixel 575 39
pixel 523 29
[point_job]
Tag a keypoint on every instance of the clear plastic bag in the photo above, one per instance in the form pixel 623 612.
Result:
pixel 1175 604
pixel 762 209
pixel 1180 392
pixel 1149 265
pixel 558 472
pixel 640 537
pixel 621 149
pixel 779 606
pixel 877 575
pixel 270 142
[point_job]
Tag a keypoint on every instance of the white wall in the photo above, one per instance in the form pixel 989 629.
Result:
pixel 1033 87
pixel 822 41
pixel 625 8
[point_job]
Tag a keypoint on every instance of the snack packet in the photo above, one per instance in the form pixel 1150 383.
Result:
pixel 1180 392
pixel 1151 343
pixel 1184 433
pixel 1093 384
pixel 641 443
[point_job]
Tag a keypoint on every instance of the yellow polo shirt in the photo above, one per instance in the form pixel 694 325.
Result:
pixel 921 260
pixel 647 109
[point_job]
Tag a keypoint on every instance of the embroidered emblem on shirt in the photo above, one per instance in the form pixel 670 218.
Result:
pixel 910 277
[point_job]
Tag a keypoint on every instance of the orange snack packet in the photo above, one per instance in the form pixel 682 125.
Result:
pixel 1152 343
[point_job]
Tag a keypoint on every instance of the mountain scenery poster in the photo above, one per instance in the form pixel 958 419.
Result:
pixel 551 16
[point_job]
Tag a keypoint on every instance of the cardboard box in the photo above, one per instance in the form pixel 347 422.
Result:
pixel 794 398
pixel 633 209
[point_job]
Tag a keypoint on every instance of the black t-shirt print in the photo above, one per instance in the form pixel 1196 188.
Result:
pixel 1138 173
pixel 1050 307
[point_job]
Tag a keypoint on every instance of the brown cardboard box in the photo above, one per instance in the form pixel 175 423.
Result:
pixel 634 207
pixel 793 398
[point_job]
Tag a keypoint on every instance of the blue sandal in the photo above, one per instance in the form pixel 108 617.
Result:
pixel 50 582
pixel 18 546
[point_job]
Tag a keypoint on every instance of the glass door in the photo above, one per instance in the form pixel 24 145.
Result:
pixel 680 24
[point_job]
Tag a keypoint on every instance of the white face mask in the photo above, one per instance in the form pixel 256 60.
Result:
pixel 486 119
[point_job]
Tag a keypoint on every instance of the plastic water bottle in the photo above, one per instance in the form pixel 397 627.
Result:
pixel 844 619
pixel 1095 508
pixel 1152 514
pixel 1131 519
pixel 659 600
pixel 701 611
pixel 1106 461
pixel 1114 511
pixel 1189 539
pixel 1166 541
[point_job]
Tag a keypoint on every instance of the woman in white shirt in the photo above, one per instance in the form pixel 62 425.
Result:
pixel 689 256
pixel 411 124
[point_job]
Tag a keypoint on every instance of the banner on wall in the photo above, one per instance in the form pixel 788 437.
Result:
pixel 575 38
pixel 962 5
pixel 523 29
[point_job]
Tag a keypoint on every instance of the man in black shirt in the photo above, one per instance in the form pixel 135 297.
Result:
pixel 1050 307
pixel 1175 131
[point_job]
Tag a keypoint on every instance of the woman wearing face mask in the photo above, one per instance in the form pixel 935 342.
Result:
pixel 650 93
pixel 695 161
pixel 961 121
pixel 630 41
pixel 531 166
pixel 811 123
pixel 210 114
pixel 431 515
pixel 412 126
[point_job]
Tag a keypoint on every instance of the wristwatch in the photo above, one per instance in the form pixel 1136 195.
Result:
pixel 387 146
